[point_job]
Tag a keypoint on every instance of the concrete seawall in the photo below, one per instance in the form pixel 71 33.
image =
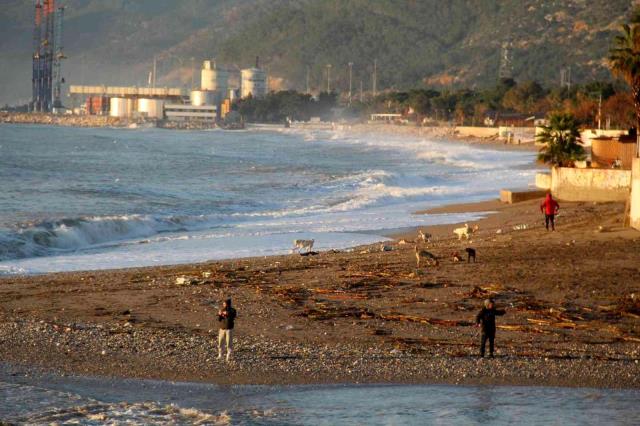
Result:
pixel 635 194
pixel 598 185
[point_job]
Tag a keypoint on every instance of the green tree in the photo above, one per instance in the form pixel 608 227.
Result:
pixel 625 59
pixel 561 139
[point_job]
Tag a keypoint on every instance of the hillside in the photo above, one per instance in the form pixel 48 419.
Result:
pixel 415 42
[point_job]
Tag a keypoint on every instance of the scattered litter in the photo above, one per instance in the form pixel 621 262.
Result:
pixel 499 231
pixel 520 227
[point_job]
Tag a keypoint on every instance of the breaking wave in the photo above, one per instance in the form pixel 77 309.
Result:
pixel 71 234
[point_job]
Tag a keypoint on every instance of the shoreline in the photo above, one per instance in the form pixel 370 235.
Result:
pixel 355 317
pixel 439 133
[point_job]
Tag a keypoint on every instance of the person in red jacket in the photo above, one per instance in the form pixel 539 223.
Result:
pixel 550 208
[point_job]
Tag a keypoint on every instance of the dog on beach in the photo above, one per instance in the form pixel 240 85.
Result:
pixel 455 256
pixel 424 237
pixel 303 244
pixel 471 253
pixel 423 254
pixel 465 231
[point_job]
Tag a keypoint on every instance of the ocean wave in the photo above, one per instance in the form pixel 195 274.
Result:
pixel 446 159
pixel 72 234
pixel 130 413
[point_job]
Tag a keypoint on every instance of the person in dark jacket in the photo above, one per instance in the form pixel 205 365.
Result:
pixel 487 320
pixel 226 318
pixel 550 209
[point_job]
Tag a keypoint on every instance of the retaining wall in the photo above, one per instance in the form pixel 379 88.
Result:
pixel 599 185
pixel 635 194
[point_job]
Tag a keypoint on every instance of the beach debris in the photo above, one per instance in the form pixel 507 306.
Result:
pixel 206 274
pixel 328 312
pixel 484 292
pixel 499 231
pixel 309 253
pixel 602 228
pixel 403 242
pixel 424 320
pixel 629 305
pixel 185 281
pixel 520 227
pixel 455 257
pixel 384 248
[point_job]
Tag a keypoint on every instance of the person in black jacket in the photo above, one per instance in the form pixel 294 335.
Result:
pixel 487 320
pixel 226 318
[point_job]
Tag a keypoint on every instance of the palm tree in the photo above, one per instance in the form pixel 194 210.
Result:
pixel 624 59
pixel 561 139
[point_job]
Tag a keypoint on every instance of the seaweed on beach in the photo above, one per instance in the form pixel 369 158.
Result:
pixel 331 311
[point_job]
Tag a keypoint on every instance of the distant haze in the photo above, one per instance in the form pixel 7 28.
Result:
pixel 454 43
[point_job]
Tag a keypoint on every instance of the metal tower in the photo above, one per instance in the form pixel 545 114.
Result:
pixel 47 56
pixel 58 80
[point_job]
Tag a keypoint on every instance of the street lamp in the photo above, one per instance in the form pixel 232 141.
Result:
pixel 328 78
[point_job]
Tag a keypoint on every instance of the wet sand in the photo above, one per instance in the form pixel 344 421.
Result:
pixel 572 299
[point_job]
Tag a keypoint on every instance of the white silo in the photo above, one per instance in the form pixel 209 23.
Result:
pixel 151 108
pixel 213 78
pixel 203 97
pixel 253 81
pixel 120 107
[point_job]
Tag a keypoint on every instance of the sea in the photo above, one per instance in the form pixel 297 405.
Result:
pixel 30 398
pixel 101 198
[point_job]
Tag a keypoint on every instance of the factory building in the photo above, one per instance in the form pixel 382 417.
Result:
pixel 253 81
pixel 202 106
pixel 190 113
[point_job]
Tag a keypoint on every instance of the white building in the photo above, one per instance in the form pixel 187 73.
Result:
pixel 253 81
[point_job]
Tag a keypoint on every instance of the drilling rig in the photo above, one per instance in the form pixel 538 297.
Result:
pixel 48 54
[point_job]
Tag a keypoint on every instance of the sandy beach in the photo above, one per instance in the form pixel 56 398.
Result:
pixel 361 316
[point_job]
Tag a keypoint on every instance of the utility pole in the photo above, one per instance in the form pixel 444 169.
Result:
pixel 155 67
pixel 308 72
pixel 361 92
pixel 375 78
pixel 328 78
pixel 600 112
pixel 193 72
pixel 350 79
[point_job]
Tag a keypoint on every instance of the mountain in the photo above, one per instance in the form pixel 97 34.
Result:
pixel 415 42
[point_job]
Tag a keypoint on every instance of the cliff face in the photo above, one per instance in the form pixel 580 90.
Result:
pixel 429 41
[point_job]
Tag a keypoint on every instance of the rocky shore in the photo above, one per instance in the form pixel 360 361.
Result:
pixel 358 316
pixel 65 120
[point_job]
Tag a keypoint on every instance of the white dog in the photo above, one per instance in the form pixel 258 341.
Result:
pixel 465 231
pixel 303 244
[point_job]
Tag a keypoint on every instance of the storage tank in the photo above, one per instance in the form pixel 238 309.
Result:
pixel 203 97
pixel 213 78
pixel 151 108
pixel 120 107
pixel 253 81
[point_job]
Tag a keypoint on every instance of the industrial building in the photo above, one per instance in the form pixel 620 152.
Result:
pixel 253 82
pixel 204 105
pixel 127 102
pixel 48 54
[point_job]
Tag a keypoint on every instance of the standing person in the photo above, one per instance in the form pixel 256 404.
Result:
pixel 487 320
pixel 550 208
pixel 226 318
